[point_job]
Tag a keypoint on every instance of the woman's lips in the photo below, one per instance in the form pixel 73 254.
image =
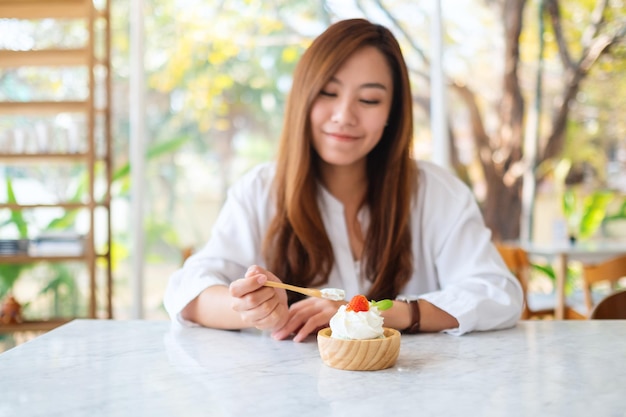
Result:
pixel 342 136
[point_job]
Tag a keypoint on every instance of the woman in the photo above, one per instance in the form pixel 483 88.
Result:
pixel 345 206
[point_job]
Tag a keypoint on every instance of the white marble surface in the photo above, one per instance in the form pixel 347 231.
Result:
pixel 150 368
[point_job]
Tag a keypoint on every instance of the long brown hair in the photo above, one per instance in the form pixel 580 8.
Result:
pixel 296 247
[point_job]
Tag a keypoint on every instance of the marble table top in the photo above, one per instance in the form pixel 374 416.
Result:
pixel 155 368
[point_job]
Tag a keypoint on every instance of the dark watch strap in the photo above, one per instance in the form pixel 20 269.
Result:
pixel 414 327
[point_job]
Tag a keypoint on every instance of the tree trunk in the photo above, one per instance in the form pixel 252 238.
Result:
pixel 503 208
pixel 500 152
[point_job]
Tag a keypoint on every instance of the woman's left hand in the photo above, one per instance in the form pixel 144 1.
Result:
pixel 307 316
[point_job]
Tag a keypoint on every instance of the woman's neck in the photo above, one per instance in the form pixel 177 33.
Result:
pixel 347 184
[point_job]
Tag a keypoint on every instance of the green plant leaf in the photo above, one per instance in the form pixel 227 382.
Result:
pixel 548 270
pixel 162 148
pixel 619 215
pixel 17 217
pixel 569 203
pixel 9 273
pixel 594 211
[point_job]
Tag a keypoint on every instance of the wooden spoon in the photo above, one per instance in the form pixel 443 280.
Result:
pixel 334 294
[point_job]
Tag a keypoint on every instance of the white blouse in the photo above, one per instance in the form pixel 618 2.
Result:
pixel 456 266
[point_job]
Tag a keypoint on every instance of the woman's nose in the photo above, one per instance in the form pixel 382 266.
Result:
pixel 344 113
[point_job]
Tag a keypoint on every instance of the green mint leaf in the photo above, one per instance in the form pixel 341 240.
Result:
pixel 382 304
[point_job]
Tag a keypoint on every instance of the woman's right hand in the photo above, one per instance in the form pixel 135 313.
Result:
pixel 258 306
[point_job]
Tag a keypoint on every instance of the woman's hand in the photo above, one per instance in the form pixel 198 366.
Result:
pixel 258 306
pixel 307 316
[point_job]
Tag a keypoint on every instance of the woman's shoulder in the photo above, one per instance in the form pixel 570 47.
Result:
pixel 260 175
pixel 253 189
pixel 437 173
pixel 435 178
pixel 255 183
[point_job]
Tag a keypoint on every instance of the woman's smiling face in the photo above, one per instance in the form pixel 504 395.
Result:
pixel 349 115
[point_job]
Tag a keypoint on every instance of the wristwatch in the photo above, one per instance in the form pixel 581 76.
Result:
pixel 412 301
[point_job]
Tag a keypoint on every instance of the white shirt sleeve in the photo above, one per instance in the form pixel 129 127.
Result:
pixel 458 266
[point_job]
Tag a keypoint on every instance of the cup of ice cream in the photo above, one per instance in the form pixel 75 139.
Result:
pixel 356 339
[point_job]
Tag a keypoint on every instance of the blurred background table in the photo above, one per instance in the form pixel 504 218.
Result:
pixel 560 254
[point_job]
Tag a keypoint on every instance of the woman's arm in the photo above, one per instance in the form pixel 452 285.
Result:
pixel 246 303
pixel 213 308
pixel 432 318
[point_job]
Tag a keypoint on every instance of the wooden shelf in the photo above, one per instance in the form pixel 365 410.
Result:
pixel 33 325
pixel 42 157
pixel 66 206
pixel 97 123
pixel 42 9
pixel 26 259
pixel 42 107
pixel 45 57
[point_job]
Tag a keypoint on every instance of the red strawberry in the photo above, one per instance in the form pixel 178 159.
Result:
pixel 358 303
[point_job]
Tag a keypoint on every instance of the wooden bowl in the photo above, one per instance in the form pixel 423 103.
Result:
pixel 359 355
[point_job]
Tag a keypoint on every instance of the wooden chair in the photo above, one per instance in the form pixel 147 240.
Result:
pixel 516 259
pixel 611 307
pixel 610 271
pixel 518 262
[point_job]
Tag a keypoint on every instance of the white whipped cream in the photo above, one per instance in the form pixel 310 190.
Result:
pixel 334 294
pixel 359 325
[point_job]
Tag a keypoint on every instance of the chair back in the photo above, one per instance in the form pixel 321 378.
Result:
pixel 610 271
pixel 611 307
pixel 516 259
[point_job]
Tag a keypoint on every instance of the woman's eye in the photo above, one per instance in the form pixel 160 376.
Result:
pixel 327 93
pixel 370 101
